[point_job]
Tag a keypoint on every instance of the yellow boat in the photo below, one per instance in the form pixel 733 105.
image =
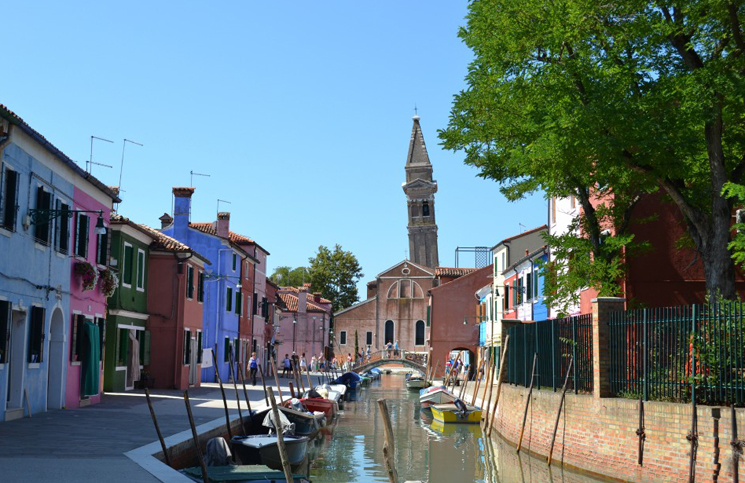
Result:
pixel 456 413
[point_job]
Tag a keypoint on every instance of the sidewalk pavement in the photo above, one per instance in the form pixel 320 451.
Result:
pixel 88 444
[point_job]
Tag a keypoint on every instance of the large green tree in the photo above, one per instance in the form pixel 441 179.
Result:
pixel 617 99
pixel 335 274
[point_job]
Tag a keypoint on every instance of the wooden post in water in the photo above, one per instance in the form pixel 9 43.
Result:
pixel 527 402
pixel 479 375
pixel 389 447
pixel 453 370
pixel 487 384
pixel 558 413
pixel 245 393
pixel 157 428
pixel 224 399
pixel 500 378
pixel 195 438
pixel 486 411
pixel 237 396
pixel 263 383
pixel 276 379
pixel 280 439
pixel 292 389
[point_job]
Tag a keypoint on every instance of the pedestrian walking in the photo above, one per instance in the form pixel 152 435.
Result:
pixel 395 349
pixel 313 363
pixel 286 366
pixel 303 363
pixel 367 354
pixel 253 366
pixel 388 349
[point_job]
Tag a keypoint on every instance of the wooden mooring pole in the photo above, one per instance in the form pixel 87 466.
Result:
pixel 487 383
pixel 280 439
pixel 224 399
pixel 195 438
pixel 263 383
pixel 558 413
pixel 389 447
pixel 276 379
pixel 527 402
pixel 500 378
pixel 479 375
pixel 486 411
pixel 157 428
pixel 237 396
pixel 245 393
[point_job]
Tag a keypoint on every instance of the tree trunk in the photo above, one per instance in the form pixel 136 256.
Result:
pixel 719 267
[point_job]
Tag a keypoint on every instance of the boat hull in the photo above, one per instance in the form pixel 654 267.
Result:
pixel 260 449
pixel 326 406
pixel 416 383
pixel 449 414
pixel 438 396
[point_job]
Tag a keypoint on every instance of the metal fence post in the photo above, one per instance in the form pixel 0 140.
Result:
pixel 693 354
pixel 575 377
pixel 553 354
pixel 645 366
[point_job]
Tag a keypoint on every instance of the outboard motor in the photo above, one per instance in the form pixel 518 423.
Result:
pixel 461 407
pixel 218 453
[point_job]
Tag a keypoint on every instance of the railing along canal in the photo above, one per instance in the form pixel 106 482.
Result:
pixel 674 353
pixel 555 341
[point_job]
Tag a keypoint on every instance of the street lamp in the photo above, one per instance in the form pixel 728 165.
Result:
pixel 314 334
pixel 294 327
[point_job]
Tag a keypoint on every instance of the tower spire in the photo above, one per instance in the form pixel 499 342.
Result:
pixel 420 191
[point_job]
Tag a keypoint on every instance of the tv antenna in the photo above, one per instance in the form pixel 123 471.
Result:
pixel 191 177
pixel 90 163
pixel 522 227
pixel 221 201
pixel 121 167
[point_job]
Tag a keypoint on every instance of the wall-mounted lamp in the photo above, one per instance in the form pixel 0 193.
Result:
pixel 44 217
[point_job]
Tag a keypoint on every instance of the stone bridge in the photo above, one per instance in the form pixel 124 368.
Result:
pixel 378 359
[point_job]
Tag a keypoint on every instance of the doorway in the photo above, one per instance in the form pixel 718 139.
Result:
pixel 56 363
pixel 17 359
pixel 388 331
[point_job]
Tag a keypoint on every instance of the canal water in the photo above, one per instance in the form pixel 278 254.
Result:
pixel 352 450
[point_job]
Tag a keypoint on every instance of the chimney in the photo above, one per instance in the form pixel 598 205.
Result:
pixel 316 297
pixel 527 252
pixel 222 225
pixel 302 300
pixel 181 211
pixel 165 221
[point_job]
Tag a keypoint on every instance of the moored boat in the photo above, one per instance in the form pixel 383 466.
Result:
pixel 242 473
pixel 456 412
pixel 416 382
pixel 350 379
pixel 262 449
pixel 435 395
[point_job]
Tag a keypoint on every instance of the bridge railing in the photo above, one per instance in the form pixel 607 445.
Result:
pixel 394 355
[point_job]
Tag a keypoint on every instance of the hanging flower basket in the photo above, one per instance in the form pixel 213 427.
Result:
pixel 88 275
pixel 108 283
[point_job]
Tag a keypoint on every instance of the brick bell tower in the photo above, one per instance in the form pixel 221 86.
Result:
pixel 420 191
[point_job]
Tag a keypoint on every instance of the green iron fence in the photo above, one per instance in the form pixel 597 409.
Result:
pixel 679 353
pixel 554 341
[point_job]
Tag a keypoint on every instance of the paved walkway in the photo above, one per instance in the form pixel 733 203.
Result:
pixel 88 444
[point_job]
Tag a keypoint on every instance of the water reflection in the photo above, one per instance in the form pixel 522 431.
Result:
pixel 426 450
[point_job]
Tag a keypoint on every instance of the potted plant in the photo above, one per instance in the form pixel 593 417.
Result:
pixel 109 282
pixel 88 275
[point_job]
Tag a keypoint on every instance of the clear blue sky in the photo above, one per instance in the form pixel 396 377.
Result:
pixel 300 112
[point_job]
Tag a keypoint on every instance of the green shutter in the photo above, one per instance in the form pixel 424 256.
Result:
pixel 429 308
pixel 229 300
pixel 128 264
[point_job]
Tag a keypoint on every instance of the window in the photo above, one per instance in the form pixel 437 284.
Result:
pixel 77 335
pixel 127 264
pixel 200 287
pixel 187 347
pixel 140 269
pixel 101 323
pixel 235 259
pixel 143 338
pixel 36 335
pixel 236 348
pixel 429 311
pixel 62 228
pixel 529 286
pixel 226 350
pixel 506 298
pixel 229 300
pixel 122 347
pixel 496 265
pixel 9 200
pixel 368 338
pixel 504 261
pixel 265 308
pixel 102 249
pixel 343 337
pixel 4 331
pixel 255 304
pixel 414 212
pixel 189 282
pixel 81 236
pixel 41 227
pixel 248 306
pixel 388 332
pixel 419 339
pixel 536 291
pixel 425 209
pixel 238 300
pixel 199 347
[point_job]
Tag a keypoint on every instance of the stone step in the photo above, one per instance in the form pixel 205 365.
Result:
pixel 13 413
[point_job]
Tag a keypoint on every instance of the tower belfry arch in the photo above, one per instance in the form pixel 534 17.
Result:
pixel 420 191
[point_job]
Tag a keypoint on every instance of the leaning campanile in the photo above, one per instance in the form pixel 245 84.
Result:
pixel 420 191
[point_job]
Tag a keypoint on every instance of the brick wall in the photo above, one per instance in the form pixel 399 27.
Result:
pixel 599 435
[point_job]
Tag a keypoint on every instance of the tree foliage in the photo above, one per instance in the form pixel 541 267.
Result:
pixel 290 277
pixel 335 274
pixel 737 193
pixel 608 102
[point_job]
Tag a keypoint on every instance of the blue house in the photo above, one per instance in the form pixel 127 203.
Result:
pixel 220 282
pixel 37 186
pixel 528 282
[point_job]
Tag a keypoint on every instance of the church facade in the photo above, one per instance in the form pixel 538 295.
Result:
pixel 396 308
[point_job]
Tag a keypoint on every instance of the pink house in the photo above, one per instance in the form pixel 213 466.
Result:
pixel 304 323
pixel 89 254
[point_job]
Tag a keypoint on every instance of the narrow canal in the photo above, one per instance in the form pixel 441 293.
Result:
pixel 425 450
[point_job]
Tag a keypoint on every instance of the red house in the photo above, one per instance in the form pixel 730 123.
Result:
pixel 175 296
